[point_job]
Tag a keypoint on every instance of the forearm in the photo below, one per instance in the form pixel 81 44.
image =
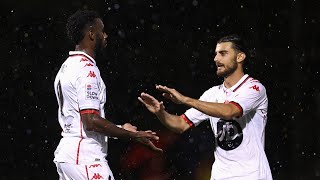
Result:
pixel 220 110
pixel 172 122
pixel 105 127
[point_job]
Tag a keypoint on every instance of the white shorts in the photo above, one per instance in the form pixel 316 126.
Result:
pixel 92 171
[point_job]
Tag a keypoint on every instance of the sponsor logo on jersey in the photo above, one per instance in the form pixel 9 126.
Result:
pixel 92 91
pixel 230 134
pixel 91 74
pixel 67 128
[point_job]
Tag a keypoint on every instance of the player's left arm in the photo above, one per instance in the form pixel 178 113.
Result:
pixel 220 110
pixel 247 98
pixel 250 97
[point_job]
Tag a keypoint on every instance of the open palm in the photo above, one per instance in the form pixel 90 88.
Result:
pixel 151 103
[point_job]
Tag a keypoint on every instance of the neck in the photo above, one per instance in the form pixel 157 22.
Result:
pixel 233 78
pixel 86 49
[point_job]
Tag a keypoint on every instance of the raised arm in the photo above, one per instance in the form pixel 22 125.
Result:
pixel 173 122
pixel 225 111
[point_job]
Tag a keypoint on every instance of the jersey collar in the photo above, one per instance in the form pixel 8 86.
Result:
pixel 238 84
pixel 72 53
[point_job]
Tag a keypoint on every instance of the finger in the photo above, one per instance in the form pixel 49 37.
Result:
pixel 166 95
pixel 141 100
pixel 161 88
pixel 153 147
pixel 145 95
pixel 161 105
pixel 149 131
pixel 151 136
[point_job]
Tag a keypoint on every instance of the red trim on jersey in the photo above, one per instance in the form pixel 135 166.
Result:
pixel 241 84
pixel 89 111
pixel 238 106
pixel 186 119
pixel 78 150
pixel 82 56
pixel 87 172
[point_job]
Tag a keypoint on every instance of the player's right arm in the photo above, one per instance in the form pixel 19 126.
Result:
pixel 88 88
pixel 173 122
pixel 92 121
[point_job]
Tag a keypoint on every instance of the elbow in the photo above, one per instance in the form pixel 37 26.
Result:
pixel 89 122
pixel 89 127
pixel 179 131
pixel 228 114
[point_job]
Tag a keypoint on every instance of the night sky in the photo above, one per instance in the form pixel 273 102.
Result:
pixel 168 42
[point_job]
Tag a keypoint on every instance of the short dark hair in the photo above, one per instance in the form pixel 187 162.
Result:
pixel 237 42
pixel 78 22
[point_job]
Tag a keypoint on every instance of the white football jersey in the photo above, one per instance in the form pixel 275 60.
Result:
pixel 239 153
pixel 78 86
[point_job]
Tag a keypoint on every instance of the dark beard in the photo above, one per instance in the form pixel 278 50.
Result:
pixel 228 72
pixel 99 48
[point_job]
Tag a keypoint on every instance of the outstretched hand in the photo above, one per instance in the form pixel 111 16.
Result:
pixel 151 103
pixel 171 94
pixel 129 127
pixel 144 137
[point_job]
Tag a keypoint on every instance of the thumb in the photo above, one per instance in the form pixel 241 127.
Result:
pixel 166 95
pixel 161 105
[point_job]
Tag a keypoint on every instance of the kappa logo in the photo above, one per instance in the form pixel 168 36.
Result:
pixel 91 74
pixel 255 87
pixel 84 59
pixel 95 165
pixel 96 176
pixel 88 64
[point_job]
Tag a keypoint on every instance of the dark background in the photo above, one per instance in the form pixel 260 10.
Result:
pixel 168 42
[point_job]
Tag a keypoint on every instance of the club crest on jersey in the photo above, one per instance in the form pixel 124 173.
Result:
pixel 92 91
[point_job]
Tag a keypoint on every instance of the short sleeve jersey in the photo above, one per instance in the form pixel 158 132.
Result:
pixel 78 86
pixel 239 152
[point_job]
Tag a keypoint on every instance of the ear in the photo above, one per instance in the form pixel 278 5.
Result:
pixel 91 33
pixel 240 57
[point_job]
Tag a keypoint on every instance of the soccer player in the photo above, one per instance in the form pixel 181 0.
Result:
pixel 81 94
pixel 236 109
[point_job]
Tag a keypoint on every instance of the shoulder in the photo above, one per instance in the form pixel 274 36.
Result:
pixel 211 92
pixel 254 86
pixel 214 89
pixel 80 60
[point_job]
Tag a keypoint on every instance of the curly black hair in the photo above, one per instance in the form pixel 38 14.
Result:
pixel 78 22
